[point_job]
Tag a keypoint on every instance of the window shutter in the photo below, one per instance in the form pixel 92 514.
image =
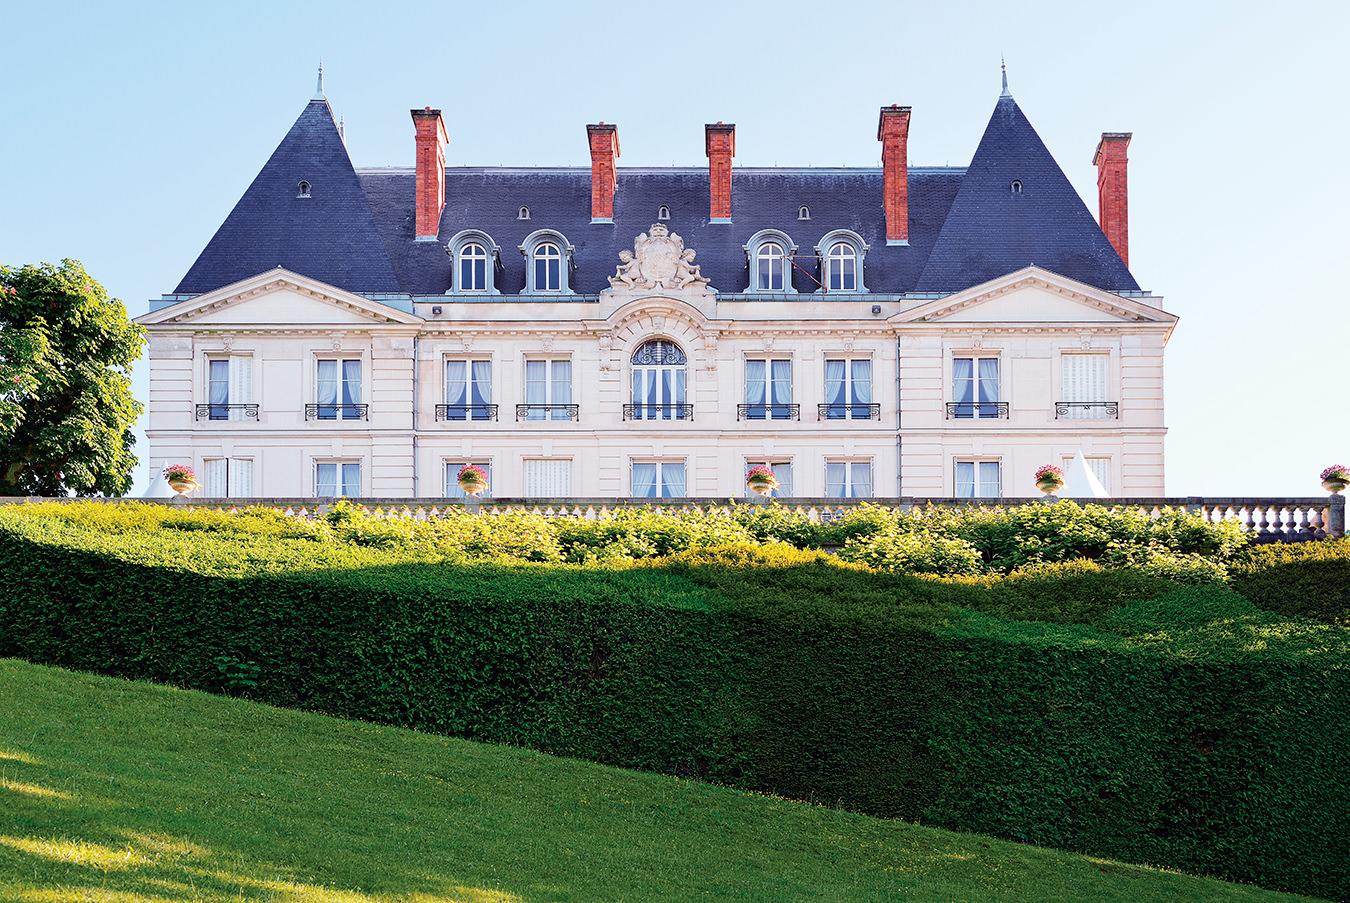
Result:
pixel 213 475
pixel 241 384
pixel 241 478
pixel 548 478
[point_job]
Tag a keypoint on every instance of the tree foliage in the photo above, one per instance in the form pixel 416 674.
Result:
pixel 66 408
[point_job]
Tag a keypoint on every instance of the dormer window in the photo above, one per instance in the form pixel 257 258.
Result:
pixel 769 256
pixel 548 258
pixel 475 257
pixel 1016 186
pixel 663 212
pixel 804 212
pixel 473 268
pixel 303 190
pixel 524 213
pixel 841 255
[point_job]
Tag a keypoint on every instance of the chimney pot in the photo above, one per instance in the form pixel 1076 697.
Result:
pixel 1113 196
pixel 720 144
pixel 430 183
pixel 893 133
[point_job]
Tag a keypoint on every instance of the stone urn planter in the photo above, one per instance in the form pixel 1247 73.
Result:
pixel 472 480
pixel 1049 479
pixel 181 478
pixel 1335 478
pixel 761 480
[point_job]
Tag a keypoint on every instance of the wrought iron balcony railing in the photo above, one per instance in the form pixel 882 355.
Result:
pixel 768 412
pixel 1087 410
pixel 466 412
pixel 658 412
pixel 548 412
pixel 978 410
pixel 337 412
pixel 849 411
pixel 227 412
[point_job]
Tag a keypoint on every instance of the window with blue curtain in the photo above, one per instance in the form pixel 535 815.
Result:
pixel 658 479
pixel 975 386
pixel 339 390
pixel 468 390
pixel 977 479
pixel 848 479
pixel 337 478
pixel 659 381
pixel 768 390
pixel 848 389
pixel 548 389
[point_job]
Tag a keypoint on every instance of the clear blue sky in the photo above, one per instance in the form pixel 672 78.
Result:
pixel 131 130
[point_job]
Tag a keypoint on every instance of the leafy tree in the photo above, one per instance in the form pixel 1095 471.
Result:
pixel 66 409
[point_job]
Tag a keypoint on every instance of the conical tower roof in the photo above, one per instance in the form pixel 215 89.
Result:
pixel 329 235
pixel 1015 208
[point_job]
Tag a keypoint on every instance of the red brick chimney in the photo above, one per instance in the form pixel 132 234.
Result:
pixel 431 142
pixel 604 170
pixel 893 133
pixel 1113 194
pixel 720 142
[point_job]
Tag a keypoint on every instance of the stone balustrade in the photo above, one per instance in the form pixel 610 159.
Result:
pixel 1266 519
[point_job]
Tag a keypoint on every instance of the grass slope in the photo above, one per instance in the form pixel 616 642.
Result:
pixel 137 793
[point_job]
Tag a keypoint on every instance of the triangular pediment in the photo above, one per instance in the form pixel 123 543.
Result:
pixel 279 298
pixel 1033 295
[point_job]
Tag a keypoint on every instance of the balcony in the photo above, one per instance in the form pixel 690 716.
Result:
pixel 768 412
pixel 981 410
pixel 658 412
pixel 466 412
pixel 1086 410
pixel 337 412
pixel 227 412
pixel 848 411
pixel 548 412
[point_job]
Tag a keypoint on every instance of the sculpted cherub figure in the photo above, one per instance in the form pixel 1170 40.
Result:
pixel 688 273
pixel 627 273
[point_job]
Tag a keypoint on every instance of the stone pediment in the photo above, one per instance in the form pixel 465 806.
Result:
pixel 659 260
pixel 278 298
pixel 1033 295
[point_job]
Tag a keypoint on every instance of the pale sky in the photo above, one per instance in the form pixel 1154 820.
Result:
pixel 130 131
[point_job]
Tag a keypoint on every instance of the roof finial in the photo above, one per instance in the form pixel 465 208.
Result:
pixel 1004 64
pixel 318 92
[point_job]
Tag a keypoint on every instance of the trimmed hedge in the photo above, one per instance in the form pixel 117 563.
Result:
pixel 1310 579
pixel 1070 705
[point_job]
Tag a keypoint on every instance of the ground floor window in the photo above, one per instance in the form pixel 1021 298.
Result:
pixel 658 480
pixel 782 472
pixel 452 468
pixel 848 479
pixel 225 478
pixel 548 478
pixel 978 480
pixel 337 478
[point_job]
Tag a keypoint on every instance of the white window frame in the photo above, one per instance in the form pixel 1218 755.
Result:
pixel 660 482
pixel 978 466
pixel 340 477
pixel 777 465
pixel 850 394
pixel 1067 391
pixel 771 383
pixel 978 385
pixel 527 477
pixel 532 247
pixel 239 388
pixel 554 392
pixel 235 471
pixel 647 403
pixel 849 241
pixel 451 468
pixel 755 245
pixel 472 378
pixel 849 487
pixel 343 410
pixel 456 248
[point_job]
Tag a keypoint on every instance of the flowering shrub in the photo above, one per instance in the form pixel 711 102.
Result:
pixel 472 473
pixel 759 473
pixel 1336 472
pixel 1050 471
pixel 179 473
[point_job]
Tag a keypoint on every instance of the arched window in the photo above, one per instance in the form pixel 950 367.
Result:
pixel 659 374
pixel 663 212
pixel 475 262
pixel 841 255
pixel 524 213
pixel 1016 186
pixel 304 190
pixel 769 267
pixel 547 258
pixel 473 268
pixel 804 212
pixel 769 257
pixel 547 268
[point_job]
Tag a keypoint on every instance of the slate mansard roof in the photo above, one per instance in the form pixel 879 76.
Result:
pixel 356 229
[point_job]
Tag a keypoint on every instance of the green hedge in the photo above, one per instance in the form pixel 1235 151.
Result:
pixel 1311 579
pixel 1069 705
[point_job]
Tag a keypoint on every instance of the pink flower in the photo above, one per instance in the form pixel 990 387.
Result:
pixel 1336 472
pixel 473 474
pixel 1049 470
pixel 758 472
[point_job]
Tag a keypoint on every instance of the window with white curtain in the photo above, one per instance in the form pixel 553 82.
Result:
pixel 975 387
pixel 768 390
pixel 848 479
pixel 452 468
pixel 659 381
pixel 468 390
pixel 548 390
pixel 1084 386
pixel 848 389
pixel 978 480
pixel 224 478
pixel 229 386
pixel 841 268
pixel 334 479
pixel 658 480
pixel 339 390
pixel 548 478
pixel 782 472
pixel 770 269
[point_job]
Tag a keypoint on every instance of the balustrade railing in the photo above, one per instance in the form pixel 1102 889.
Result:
pixel 337 412
pixel 848 411
pixel 768 412
pixel 1087 410
pixel 1264 519
pixel 976 410
pixel 548 411
pixel 466 412
pixel 658 411
pixel 227 412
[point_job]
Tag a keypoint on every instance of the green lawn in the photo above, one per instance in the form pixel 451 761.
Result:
pixel 132 793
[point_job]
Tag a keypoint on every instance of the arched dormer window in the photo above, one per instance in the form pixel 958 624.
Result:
pixel 548 262
pixel 804 212
pixel 841 254
pixel 659 375
pixel 475 259
pixel 768 254
pixel 302 190
pixel 663 212
pixel 524 213
pixel 1016 186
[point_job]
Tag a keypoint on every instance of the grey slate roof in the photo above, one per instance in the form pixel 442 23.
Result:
pixel 356 231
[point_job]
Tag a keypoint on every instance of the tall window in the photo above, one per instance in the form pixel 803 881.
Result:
pixel 224 478
pixel 339 390
pixel 452 468
pixel 848 389
pixel 768 390
pixel 658 381
pixel 547 268
pixel 658 480
pixel 473 263
pixel 841 268
pixel 1084 385
pixel 468 390
pixel 977 480
pixel 848 479
pixel 337 478
pixel 975 386
pixel 229 387
pixel 548 390
pixel 770 267
pixel 548 478
pixel 782 472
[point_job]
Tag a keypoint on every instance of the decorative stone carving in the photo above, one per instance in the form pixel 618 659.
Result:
pixel 228 341
pixel 337 343
pixel 848 344
pixel 547 342
pixel 658 260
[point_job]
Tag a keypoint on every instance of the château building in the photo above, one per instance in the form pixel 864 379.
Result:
pixel 616 332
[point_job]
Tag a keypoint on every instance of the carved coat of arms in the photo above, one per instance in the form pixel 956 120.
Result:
pixel 658 260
